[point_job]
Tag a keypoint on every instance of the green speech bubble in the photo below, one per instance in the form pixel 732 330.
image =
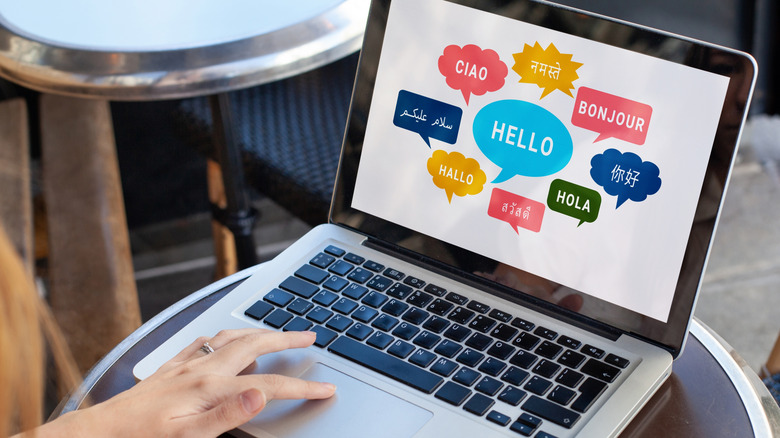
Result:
pixel 574 200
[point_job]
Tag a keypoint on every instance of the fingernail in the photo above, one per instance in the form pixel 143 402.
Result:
pixel 252 400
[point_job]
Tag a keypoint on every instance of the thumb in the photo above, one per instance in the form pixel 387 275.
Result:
pixel 233 412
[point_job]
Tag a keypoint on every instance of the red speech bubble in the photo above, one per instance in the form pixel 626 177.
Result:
pixel 516 210
pixel 472 70
pixel 611 116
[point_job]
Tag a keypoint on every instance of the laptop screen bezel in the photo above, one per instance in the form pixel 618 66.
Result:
pixel 696 54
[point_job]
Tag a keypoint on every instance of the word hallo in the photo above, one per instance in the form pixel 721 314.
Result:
pixel 456 175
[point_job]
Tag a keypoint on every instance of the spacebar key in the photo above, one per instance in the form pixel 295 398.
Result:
pixel 386 364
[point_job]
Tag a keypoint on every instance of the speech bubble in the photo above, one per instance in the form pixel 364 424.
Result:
pixel 456 174
pixel 428 117
pixel 522 139
pixel 611 116
pixel 517 211
pixel 472 70
pixel 548 68
pixel 574 200
pixel 625 175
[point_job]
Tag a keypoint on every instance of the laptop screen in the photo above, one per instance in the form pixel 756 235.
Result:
pixel 567 157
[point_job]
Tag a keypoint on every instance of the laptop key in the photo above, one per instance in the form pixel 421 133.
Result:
pixel 590 390
pixel 492 366
pixel 354 291
pixel 521 428
pixel 461 315
pixel 523 359
pixel 299 287
pixel 379 340
pixel 436 324
pixel 419 299
pixel 379 283
pixel 322 260
pixel 571 359
pixel 400 291
pixel 334 250
pixel 444 367
pixel 537 385
pixel 457 333
pixel 312 274
pixel 374 266
pixel 504 332
pixel 470 357
pixel 401 349
pixel 593 351
pixel 482 323
pixel 547 369
pixel 569 378
pixel 384 322
pixel 478 404
pixel 427 340
pixel 447 349
pixel 394 274
pixel 354 258
pixel 515 376
pixel 341 268
pixel 500 315
pixel 489 386
pixel 300 306
pixel 422 358
pixel 498 418
pixel 478 341
pixel 453 393
pixel 440 307
pixel 501 350
pixel 406 331
pixel 359 331
pixel 523 324
pixel 551 411
pixel 386 364
pixel 466 376
pixel 374 299
pixel 279 298
pixel 529 420
pixel 477 306
pixel 319 315
pixel 339 323
pixel 298 324
pixel 325 298
pixel 360 275
pixel 512 396
pixel 569 342
pixel 278 318
pixel 414 282
pixel 258 310
pixel 324 336
pixel 456 298
pixel 344 306
pixel 415 316
pixel 548 349
pixel 600 370
pixel 365 314
pixel 395 307
pixel 561 395
pixel 336 284
pixel 436 290
pixel 616 360
pixel 546 333
pixel 526 341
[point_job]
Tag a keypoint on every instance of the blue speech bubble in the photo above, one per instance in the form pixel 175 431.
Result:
pixel 522 139
pixel 625 175
pixel 428 117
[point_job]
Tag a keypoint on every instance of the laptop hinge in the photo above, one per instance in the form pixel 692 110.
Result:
pixel 498 290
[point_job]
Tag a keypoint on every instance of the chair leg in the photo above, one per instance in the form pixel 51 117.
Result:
pixel 15 196
pixel 224 243
pixel 92 288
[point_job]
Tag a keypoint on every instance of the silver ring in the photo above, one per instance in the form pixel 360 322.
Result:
pixel 206 348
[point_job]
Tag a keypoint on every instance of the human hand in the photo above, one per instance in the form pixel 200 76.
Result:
pixel 199 394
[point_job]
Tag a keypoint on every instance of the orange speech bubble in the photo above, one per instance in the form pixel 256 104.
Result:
pixel 456 174
pixel 548 68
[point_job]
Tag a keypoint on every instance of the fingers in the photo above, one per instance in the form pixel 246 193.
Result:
pixel 236 355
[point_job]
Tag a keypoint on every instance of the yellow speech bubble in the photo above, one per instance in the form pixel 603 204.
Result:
pixel 456 174
pixel 548 68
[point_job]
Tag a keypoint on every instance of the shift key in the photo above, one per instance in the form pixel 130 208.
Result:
pixel 551 411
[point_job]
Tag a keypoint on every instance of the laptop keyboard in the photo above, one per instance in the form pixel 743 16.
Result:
pixel 441 343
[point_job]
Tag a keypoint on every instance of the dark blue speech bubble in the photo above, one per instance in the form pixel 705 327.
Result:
pixel 625 175
pixel 428 117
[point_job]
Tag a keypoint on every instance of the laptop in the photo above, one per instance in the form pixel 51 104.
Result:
pixel 524 206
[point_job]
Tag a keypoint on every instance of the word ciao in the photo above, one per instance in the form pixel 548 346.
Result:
pixel 467 69
pixel 546 146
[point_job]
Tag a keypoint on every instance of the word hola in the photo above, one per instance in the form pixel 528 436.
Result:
pixel 573 200
pixel 508 134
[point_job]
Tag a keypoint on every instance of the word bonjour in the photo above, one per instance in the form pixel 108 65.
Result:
pixel 618 118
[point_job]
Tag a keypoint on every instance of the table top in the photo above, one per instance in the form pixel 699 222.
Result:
pixel 152 49
pixel 711 391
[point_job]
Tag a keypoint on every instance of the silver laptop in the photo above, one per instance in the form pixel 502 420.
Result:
pixel 522 215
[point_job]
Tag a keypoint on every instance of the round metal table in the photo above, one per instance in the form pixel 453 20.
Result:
pixel 711 392
pixel 153 50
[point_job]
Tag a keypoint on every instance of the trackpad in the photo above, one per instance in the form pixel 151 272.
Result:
pixel 356 410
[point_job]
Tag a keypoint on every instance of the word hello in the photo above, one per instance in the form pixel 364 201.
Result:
pixel 513 135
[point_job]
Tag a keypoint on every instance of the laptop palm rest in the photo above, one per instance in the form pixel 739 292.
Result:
pixel 356 410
